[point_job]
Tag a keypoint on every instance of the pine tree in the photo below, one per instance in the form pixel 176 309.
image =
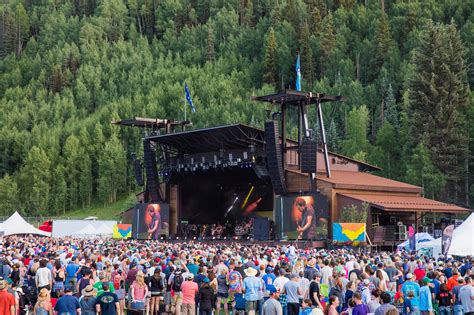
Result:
pixel 333 137
pixel 422 172
pixel 307 65
pixel 211 54
pixel 438 96
pixel 35 179
pixel 383 41
pixel 355 142
pixel 270 64
pixel 9 194
pixel 328 40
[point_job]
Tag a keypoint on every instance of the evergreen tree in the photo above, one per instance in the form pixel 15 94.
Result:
pixel 355 141
pixel 438 98
pixel 35 179
pixel 270 65
pixel 383 41
pixel 211 54
pixel 422 172
pixel 307 65
pixel 328 40
pixel 333 137
pixel 9 194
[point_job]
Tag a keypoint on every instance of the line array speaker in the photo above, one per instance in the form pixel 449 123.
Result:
pixel 308 156
pixel 152 183
pixel 137 167
pixel 274 159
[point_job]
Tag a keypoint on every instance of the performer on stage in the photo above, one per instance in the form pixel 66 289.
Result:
pixel 154 226
pixel 307 221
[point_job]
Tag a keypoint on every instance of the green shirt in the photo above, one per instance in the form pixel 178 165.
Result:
pixel 100 290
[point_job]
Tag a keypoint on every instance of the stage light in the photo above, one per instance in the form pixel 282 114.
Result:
pixel 248 237
pixel 161 238
pixel 194 238
pixel 177 237
pixel 213 237
pixel 225 237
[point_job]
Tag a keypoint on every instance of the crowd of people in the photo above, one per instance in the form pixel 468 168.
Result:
pixel 49 276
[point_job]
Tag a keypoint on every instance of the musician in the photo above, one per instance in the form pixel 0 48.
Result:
pixel 307 221
pixel 154 226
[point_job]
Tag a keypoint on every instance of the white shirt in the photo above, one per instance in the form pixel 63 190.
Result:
pixel 326 274
pixel 43 277
pixel 280 282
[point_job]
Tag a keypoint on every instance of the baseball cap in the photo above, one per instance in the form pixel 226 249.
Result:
pixel 272 289
pixel 427 280
pixel 409 275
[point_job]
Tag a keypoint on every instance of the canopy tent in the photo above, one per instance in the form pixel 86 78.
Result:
pixel 433 245
pixel 64 228
pixel 88 230
pixel 105 229
pixel 462 243
pixel 17 225
pixel 419 238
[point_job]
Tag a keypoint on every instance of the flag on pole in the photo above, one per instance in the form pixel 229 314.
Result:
pixel 188 98
pixel 298 74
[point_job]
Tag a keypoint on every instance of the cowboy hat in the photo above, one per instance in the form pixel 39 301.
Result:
pixel 89 291
pixel 250 272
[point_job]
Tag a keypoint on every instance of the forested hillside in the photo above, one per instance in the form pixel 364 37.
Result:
pixel 68 68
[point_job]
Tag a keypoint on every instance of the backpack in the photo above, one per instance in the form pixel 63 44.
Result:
pixel 177 281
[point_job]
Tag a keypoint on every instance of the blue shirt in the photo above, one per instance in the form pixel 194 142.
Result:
pixel 425 299
pixel 268 279
pixel 71 270
pixel 412 286
pixel 252 286
pixel 67 304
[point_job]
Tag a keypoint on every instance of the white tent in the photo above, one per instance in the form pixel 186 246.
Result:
pixel 105 229
pixel 17 225
pixel 462 243
pixel 419 239
pixel 88 230
pixel 434 245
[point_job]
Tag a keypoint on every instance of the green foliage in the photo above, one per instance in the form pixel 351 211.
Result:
pixel 354 214
pixel 70 67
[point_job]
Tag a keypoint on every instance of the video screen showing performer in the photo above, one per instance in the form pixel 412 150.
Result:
pixel 304 217
pixel 151 221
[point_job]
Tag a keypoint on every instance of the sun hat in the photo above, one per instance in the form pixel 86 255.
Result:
pixel 250 272
pixel 89 291
pixel 43 294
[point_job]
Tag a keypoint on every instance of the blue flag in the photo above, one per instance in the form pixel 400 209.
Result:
pixel 188 97
pixel 298 74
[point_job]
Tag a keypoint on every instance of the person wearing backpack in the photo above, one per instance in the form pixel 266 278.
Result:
pixel 175 281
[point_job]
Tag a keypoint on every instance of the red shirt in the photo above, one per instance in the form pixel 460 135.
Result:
pixel 6 302
pixel 452 282
pixel 189 290
pixel 419 273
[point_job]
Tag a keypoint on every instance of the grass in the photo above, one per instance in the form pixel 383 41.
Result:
pixel 111 212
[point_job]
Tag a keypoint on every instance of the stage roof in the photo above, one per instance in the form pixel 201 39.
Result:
pixel 291 97
pixel 154 123
pixel 229 137
pixel 406 203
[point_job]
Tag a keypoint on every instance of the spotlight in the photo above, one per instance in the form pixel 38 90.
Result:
pixel 194 238
pixel 225 237
pixel 177 237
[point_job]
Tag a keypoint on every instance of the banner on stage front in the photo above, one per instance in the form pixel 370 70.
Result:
pixel 348 232
pixel 122 231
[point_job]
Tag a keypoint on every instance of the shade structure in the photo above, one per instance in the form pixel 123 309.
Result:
pixel 420 238
pixel 462 243
pixel 15 225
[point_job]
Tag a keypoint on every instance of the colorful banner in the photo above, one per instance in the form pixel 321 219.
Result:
pixel 348 232
pixel 122 231
pixel 446 239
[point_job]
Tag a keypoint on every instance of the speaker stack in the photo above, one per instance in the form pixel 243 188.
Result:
pixel 274 158
pixel 151 170
pixel 308 156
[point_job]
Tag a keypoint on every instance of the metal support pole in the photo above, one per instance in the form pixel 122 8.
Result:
pixel 283 135
pixel 323 136
pixel 304 118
